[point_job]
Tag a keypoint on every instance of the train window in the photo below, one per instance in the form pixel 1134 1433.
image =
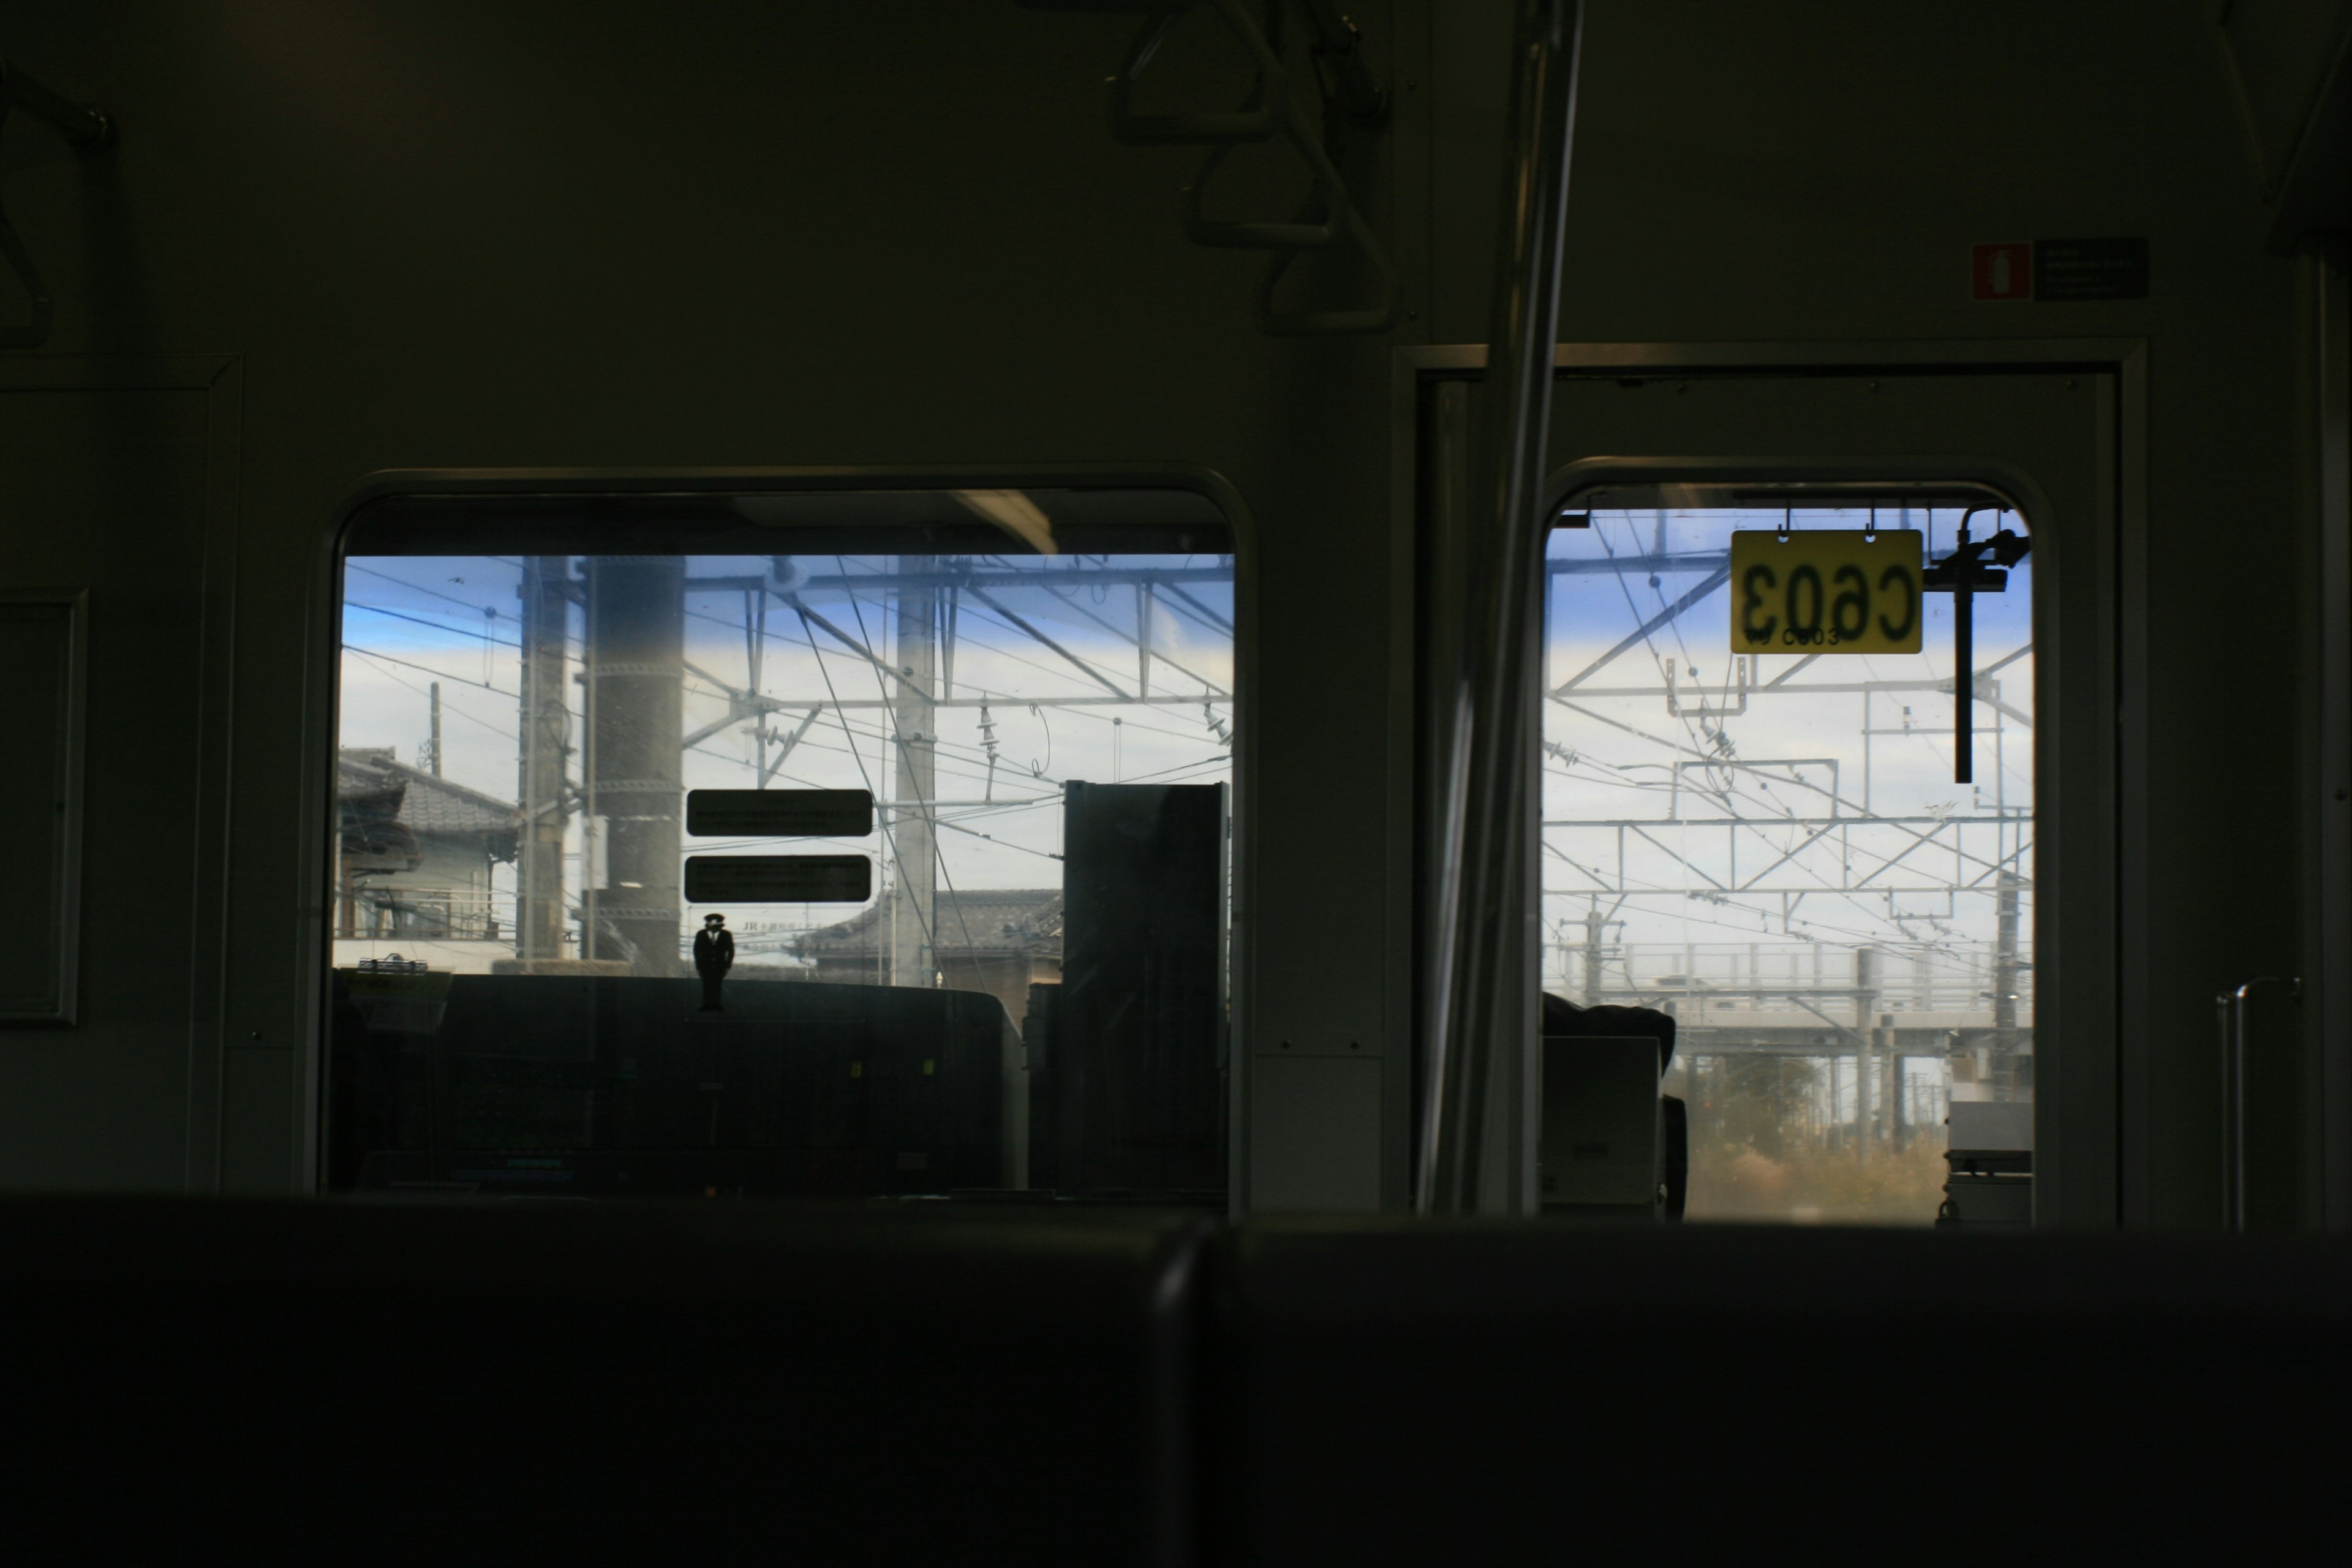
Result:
pixel 861 842
pixel 1772 847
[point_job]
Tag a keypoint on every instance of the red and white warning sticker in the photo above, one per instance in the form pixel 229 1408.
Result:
pixel 2001 271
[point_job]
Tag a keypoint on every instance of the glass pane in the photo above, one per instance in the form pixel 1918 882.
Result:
pixel 1773 849
pixel 1034 693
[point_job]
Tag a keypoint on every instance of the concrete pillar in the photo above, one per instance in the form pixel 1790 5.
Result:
pixel 914 719
pixel 545 728
pixel 636 664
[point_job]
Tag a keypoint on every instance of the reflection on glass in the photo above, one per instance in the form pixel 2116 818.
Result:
pixel 1773 849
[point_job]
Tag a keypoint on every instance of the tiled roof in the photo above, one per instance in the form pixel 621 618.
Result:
pixel 428 805
pixel 986 919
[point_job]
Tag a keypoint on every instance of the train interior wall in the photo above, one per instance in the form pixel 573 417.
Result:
pixel 337 241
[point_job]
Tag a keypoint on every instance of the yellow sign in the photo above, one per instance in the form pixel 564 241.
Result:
pixel 1842 590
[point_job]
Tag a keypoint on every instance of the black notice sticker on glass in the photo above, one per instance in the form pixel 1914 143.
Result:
pixel 2090 270
pixel 780 813
pixel 779 879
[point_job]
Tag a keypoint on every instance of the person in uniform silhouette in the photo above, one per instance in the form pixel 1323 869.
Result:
pixel 714 955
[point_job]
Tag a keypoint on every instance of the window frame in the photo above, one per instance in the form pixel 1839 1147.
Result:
pixel 321 716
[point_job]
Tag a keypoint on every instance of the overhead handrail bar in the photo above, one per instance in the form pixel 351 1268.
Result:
pixel 87 130
pixel 2232 1006
pixel 1478 1001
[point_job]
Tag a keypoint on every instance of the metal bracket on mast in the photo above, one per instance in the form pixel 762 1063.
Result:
pixel 1963 575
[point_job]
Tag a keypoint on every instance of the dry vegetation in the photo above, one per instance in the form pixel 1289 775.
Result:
pixel 1734 1182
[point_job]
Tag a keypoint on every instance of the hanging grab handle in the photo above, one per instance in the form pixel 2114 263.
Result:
pixel 1328 218
pixel 87 130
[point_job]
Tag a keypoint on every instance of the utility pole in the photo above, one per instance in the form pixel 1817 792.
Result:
pixel 914 723
pixel 1596 927
pixel 1865 1065
pixel 1143 639
pixel 546 730
pixel 432 732
pixel 2004 974
pixel 1882 1040
pixel 755 649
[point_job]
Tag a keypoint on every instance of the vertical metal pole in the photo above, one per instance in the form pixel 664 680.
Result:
pixel 1964 683
pixel 755 643
pixel 2005 1040
pixel 433 726
pixel 1999 762
pixel 1142 638
pixel 347 906
pixel 2232 1008
pixel 1865 760
pixel 2228 1006
pixel 1480 983
pixel 1594 929
pixel 591 836
pixel 1883 1041
pixel 1865 1058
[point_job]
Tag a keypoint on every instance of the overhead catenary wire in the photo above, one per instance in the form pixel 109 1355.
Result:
pixel 437 626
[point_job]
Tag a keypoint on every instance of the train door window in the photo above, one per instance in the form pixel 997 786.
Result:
pixel 861 842
pixel 1773 846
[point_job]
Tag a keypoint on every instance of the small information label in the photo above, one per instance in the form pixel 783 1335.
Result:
pixel 779 879
pixel 1833 591
pixel 2058 271
pixel 2090 270
pixel 779 813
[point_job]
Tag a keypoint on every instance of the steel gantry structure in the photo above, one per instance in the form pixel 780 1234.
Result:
pixel 1847 920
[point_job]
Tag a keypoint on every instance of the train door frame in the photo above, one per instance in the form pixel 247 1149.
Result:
pixel 2331 1093
pixel 218 1070
pixel 2092 1122
pixel 320 715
